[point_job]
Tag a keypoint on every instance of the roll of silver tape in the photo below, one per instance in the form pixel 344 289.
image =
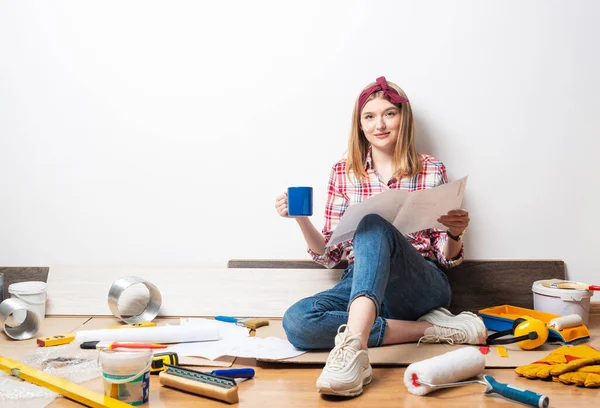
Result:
pixel 27 329
pixel 152 307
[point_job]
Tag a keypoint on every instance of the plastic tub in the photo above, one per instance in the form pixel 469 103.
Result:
pixel 562 302
pixel 33 294
pixel 126 375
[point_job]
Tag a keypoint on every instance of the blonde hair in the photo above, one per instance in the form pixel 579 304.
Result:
pixel 405 161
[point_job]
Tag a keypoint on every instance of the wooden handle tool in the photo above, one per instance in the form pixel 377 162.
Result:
pixel 196 382
pixel 563 284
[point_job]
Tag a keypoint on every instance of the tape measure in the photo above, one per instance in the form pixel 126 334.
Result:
pixel 160 359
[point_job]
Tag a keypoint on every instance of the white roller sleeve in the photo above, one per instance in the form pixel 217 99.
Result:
pixel 564 322
pixel 158 334
pixel 457 365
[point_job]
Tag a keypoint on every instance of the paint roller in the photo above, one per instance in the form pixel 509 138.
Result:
pixel 566 322
pixel 455 368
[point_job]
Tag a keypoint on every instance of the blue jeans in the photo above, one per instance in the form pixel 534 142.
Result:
pixel 387 269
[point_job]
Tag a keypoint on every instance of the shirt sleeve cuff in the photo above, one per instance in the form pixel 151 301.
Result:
pixel 450 263
pixel 326 258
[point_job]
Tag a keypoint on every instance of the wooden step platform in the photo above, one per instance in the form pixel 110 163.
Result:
pixel 476 284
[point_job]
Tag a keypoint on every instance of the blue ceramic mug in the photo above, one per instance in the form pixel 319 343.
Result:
pixel 300 201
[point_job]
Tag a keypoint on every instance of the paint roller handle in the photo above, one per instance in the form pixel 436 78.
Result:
pixel 516 394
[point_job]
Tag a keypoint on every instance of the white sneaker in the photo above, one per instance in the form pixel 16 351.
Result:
pixel 464 328
pixel 347 368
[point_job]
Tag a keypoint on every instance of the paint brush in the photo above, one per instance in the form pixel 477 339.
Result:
pixel 562 284
pixel 113 345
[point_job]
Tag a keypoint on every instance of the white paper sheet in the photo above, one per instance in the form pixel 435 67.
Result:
pixel 407 211
pixel 271 348
pixel 226 330
pixel 234 341
pixel 268 348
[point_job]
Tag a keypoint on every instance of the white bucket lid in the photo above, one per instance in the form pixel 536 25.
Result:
pixel 564 294
pixel 27 288
pixel 124 362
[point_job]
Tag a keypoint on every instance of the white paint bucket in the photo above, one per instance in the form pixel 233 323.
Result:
pixel 126 375
pixel 562 302
pixel 33 294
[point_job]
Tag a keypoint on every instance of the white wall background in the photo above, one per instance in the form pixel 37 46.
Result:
pixel 159 133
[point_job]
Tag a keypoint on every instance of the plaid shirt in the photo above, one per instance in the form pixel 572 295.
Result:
pixel 341 193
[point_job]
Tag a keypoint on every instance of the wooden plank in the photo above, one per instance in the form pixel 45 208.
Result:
pixel 83 290
pixel 18 274
pixel 279 264
pixel 480 284
pixel 268 291
pixel 476 284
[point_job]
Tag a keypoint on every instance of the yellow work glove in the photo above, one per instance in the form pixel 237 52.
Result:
pixel 588 376
pixel 562 360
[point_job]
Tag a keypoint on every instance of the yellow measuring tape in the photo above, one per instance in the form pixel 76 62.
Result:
pixel 61 386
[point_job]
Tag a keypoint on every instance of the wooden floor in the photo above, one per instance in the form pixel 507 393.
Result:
pixel 293 385
pixel 284 385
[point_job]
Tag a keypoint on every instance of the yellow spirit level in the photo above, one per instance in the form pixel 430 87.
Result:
pixel 55 340
pixel 59 385
pixel 133 325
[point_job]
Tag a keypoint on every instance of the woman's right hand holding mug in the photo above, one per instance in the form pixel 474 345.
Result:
pixel 296 202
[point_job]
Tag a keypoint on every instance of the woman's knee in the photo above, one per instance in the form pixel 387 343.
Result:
pixel 295 321
pixel 302 324
pixel 371 221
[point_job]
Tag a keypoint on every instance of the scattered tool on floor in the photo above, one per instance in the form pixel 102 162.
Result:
pixel 61 339
pixel 454 368
pixel 246 322
pixel 159 361
pixel 255 323
pixel 133 325
pixel 113 345
pixel 234 373
pixel 527 332
pixel 500 318
pixel 58 340
pixel 566 322
pixel 564 284
pixel 196 382
pixel 61 386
